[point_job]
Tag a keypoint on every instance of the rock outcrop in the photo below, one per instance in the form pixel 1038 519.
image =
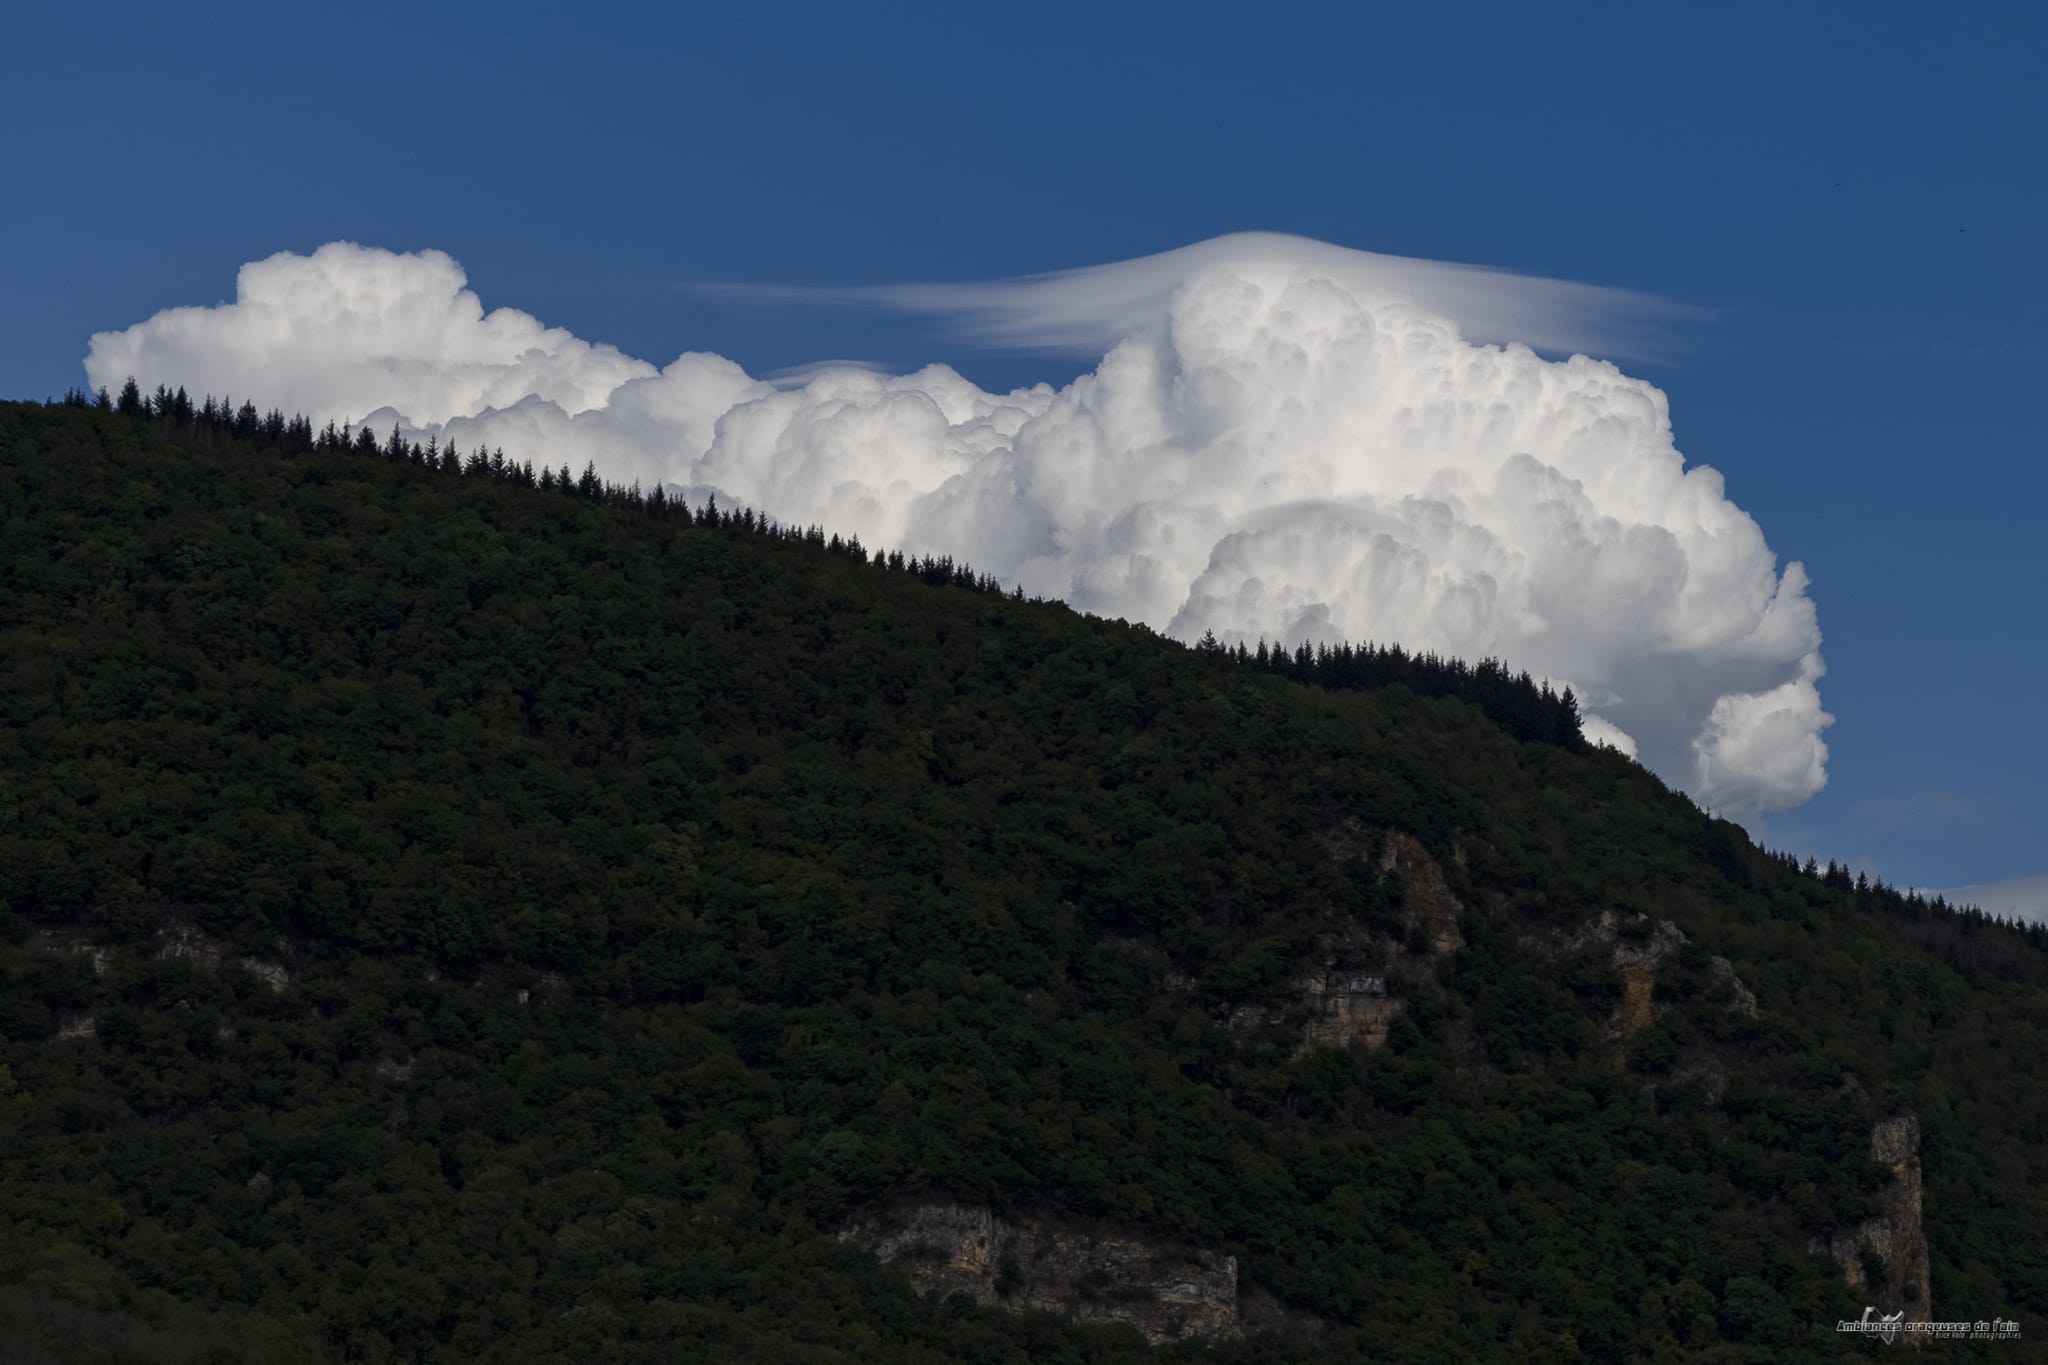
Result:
pixel 1740 999
pixel 183 940
pixel 1638 963
pixel 1353 996
pixel 1893 1240
pixel 1345 1009
pixel 1332 1008
pixel 176 939
pixel 1168 1292
pixel 1431 910
pixel 1639 948
pixel 73 941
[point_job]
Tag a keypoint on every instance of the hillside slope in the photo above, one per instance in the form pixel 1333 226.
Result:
pixel 450 920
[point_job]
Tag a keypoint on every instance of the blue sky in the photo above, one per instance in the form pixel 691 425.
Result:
pixel 1855 208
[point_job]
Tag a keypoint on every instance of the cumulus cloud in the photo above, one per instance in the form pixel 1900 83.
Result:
pixel 1282 439
pixel 403 329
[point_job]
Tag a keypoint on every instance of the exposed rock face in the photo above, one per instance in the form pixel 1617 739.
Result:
pixel 1741 1000
pixel 271 974
pixel 1167 1292
pixel 1895 1234
pixel 1346 1002
pixel 175 940
pixel 1637 1006
pixel 1343 1009
pixel 83 1026
pixel 1431 908
pixel 1346 1008
pixel 1638 964
pixel 1639 956
pixel 1353 838
pixel 182 940
pixel 1707 1072
pixel 1648 955
pixel 61 941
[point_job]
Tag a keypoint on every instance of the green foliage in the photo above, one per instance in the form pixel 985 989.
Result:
pixel 653 891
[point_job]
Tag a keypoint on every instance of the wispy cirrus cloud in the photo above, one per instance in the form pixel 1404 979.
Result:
pixel 1092 308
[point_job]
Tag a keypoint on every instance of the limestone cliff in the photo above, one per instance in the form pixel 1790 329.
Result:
pixel 1096 1275
pixel 1352 994
pixel 1639 948
pixel 1432 911
pixel 1638 963
pixel 178 939
pixel 174 939
pixel 1740 999
pixel 1894 1239
pixel 1345 1008
pixel 1328 1008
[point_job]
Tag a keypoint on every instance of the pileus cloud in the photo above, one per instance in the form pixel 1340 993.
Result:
pixel 1283 439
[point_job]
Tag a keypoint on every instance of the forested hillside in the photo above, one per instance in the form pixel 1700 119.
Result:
pixel 449 913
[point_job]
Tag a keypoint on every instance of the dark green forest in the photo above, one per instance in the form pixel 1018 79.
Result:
pixel 451 911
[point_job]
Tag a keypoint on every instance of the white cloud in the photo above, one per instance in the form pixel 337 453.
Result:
pixel 352 328
pixel 1284 439
pixel 2024 898
pixel 1598 731
pixel 1094 307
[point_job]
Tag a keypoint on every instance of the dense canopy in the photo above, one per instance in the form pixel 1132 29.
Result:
pixel 456 914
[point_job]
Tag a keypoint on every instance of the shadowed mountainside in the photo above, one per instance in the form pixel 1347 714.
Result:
pixel 452 919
